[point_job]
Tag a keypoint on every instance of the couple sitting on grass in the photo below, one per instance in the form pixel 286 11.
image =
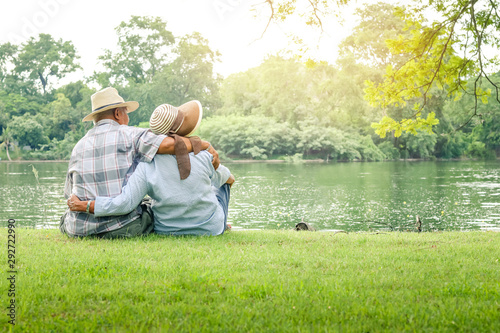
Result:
pixel 114 166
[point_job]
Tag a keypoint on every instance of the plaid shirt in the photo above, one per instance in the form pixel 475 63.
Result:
pixel 100 165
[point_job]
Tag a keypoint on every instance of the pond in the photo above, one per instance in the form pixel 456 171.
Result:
pixel 451 195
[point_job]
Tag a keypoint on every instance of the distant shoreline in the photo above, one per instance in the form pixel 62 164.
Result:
pixel 283 161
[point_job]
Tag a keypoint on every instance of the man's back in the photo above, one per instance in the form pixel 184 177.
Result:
pixel 100 165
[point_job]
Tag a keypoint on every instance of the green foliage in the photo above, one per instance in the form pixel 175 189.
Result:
pixel 433 61
pixel 27 131
pixel 284 108
pixel 40 59
pixel 388 149
pixel 387 124
pixel 290 91
pixel 259 137
pixel 191 75
pixel 76 92
pixel 476 149
pixel 60 117
pixel 251 137
pixel 188 77
pixel 276 89
pixel 450 145
pixel 144 44
pixel 7 53
pixel 423 55
pixel 12 104
pixel 369 151
pixel 420 145
pixel 367 43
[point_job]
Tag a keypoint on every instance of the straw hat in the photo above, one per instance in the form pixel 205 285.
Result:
pixel 108 99
pixel 182 120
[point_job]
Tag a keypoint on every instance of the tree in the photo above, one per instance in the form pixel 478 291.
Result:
pixel 7 53
pixel 6 139
pixel 27 131
pixel 445 53
pixel 144 45
pixel 366 45
pixel 59 117
pixel 40 60
pixel 12 104
pixel 189 76
pixel 278 88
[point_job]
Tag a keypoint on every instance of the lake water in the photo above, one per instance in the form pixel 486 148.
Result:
pixel 455 195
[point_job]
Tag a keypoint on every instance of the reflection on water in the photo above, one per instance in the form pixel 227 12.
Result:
pixel 341 196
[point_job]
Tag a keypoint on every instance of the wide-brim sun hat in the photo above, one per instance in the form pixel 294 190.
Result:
pixel 108 99
pixel 182 120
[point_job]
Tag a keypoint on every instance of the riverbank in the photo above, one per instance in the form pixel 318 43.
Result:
pixel 283 161
pixel 258 281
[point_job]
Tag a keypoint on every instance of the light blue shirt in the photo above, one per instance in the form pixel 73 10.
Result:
pixel 180 207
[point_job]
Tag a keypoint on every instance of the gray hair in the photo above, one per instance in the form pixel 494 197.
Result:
pixel 107 114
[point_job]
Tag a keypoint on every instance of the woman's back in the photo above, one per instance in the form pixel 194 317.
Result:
pixel 187 206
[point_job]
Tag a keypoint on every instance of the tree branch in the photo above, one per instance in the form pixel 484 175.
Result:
pixel 315 10
pixel 270 2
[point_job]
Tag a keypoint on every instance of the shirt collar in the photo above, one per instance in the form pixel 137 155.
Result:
pixel 106 121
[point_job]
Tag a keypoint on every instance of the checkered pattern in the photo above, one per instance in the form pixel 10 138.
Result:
pixel 100 165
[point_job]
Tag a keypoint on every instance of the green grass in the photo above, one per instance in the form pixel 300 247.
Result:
pixel 258 281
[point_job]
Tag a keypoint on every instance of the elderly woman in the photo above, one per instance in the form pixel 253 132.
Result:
pixel 189 196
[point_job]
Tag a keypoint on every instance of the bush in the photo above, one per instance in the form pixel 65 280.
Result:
pixel 388 149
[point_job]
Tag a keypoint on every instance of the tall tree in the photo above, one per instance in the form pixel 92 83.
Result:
pixel 7 53
pixel 6 139
pixel 191 75
pixel 39 60
pixel 445 53
pixel 27 131
pixel 144 45
pixel 366 45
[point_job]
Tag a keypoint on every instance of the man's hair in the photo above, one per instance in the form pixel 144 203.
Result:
pixel 107 113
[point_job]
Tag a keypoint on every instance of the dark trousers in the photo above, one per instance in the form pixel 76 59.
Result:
pixel 142 226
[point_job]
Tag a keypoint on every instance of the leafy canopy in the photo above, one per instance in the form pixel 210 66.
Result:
pixel 143 48
pixel 446 53
pixel 40 59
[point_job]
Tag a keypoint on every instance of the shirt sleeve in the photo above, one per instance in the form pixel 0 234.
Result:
pixel 146 143
pixel 68 185
pixel 128 200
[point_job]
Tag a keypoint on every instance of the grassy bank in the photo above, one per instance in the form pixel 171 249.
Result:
pixel 257 281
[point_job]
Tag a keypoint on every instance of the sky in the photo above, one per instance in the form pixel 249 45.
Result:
pixel 230 26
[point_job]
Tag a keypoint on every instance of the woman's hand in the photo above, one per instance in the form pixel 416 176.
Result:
pixel 231 180
pixel 76 205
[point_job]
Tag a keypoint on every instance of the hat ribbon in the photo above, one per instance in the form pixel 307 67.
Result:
pixel 179 120
pixel 181 153
pixel 105 106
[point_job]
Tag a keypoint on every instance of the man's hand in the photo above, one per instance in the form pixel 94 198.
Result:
pixel 231 180
pixel 215 154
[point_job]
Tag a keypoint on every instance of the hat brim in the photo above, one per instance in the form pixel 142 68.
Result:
pixel 131 106
pixel 193 112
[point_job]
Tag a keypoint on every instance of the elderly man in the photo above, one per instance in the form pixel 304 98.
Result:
pixel 102 162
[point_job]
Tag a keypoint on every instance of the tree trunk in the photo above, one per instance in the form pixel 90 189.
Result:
pixel 44 81
pixel 7 149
